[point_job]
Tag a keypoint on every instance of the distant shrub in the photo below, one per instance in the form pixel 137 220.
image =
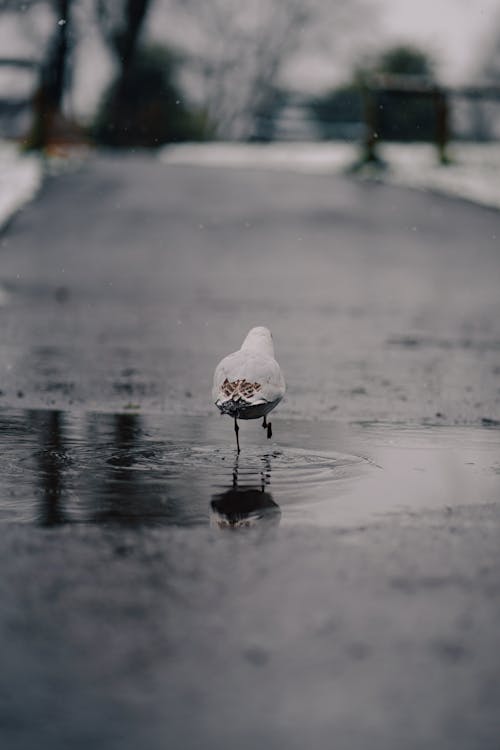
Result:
pixel 145 107
pixel 400 117
pixel 405 60
pixel 338 111
pixel 406 117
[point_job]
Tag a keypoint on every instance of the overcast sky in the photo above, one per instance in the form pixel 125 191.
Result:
pixel 455 30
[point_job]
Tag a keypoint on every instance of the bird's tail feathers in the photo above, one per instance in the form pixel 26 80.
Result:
pixel 233 406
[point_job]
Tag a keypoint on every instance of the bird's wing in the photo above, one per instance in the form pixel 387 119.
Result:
pixel 253 377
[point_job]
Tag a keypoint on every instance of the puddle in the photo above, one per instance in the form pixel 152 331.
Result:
pixel 61 468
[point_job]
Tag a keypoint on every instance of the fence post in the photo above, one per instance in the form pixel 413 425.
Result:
pixel 370 137
pixel 442 133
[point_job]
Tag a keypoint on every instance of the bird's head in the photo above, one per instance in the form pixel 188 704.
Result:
pixel 259 339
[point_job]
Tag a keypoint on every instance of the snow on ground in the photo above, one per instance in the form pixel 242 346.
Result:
pixel 297 157
pixel 474 173
pixel 20 178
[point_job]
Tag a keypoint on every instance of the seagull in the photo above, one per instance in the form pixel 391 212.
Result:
pixel 249 383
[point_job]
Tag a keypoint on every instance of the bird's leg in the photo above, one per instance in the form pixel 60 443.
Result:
pixel 264 422
pixel 269 431
pixel 237 429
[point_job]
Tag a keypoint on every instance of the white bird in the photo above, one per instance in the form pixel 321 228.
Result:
pixel 249 383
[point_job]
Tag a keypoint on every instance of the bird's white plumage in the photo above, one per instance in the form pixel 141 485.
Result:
pixel 249 383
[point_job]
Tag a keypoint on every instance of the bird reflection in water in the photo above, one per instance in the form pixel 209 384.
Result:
pixel 244 506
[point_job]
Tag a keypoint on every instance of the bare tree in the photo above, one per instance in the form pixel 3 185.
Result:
pixel 484 113
pixel 53 79
pixel 490 64
pixel 121 24
pixel 240 50
pixel 53 66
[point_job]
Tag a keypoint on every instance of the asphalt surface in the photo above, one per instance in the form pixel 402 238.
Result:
pixel 357 606
pixel 127 281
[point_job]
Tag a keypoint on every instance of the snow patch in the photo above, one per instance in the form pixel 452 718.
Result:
pixel 474 172
pixel 20 179
pixel 309 158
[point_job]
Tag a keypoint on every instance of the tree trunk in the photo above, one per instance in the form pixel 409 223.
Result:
pixel 48 98
pixel 125 42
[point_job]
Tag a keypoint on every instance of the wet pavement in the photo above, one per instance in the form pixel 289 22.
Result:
pixel 60 468
pixel 335 586
pixel 127 281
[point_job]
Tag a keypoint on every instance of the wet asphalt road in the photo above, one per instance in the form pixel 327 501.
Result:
pixel 125 620
pixel 127 281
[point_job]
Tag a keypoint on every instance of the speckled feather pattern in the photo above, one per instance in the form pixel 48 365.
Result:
pixel 249 383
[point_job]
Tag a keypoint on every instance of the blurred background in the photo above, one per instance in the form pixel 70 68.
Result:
pixel 144 73
pixel 372 615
